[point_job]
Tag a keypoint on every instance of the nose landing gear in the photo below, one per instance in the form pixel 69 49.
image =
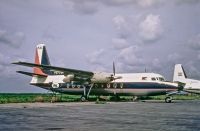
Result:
pixel 168 99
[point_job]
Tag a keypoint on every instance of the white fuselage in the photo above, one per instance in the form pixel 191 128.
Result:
pixel 129 84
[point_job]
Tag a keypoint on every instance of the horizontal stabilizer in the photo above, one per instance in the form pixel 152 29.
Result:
pixel 30 74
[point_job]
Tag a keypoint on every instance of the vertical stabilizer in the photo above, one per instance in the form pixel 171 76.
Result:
pixel 179 73
pixel 41 58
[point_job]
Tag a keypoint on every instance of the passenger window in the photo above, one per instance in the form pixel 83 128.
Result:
pixel 144 78
pixel 153 79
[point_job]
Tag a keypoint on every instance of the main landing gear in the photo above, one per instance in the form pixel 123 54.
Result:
pixel 86 94
pixel 168 99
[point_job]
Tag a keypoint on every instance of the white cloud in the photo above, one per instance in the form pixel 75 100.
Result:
pixel 120 22
pixel 198 56
pixel 4 60
pixel 95 57
pixel 156 63
pixel 149 3
pixel 194 43
pixel 173 57
pixel 82 6
pixel 123 25
pixel 119 43
pixel 180 2
pixel 90 7
pixel 128 56
pixel 139 3
pixel 14 40
pixel 151 28
pixel 5 66
pixel 118 2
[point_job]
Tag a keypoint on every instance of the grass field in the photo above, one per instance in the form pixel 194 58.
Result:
pixel 31 98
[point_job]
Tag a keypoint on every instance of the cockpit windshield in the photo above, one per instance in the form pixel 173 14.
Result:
pixel 157 79
pixel 161 79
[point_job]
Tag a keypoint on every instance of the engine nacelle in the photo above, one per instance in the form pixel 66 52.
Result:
pixel 68 78
pixel 101 77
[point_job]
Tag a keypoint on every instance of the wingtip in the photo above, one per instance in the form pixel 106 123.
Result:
pixel 16 62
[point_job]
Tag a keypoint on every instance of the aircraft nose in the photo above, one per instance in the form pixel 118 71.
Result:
pixel 175 86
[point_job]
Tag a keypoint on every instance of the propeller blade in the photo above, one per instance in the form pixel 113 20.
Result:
pixel 114 68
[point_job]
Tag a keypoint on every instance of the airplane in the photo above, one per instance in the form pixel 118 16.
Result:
pixel 190 85
pixel 84 83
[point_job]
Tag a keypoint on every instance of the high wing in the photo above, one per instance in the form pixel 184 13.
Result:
pixel 66 71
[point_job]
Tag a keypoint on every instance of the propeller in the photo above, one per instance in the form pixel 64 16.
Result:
pixel 113 77
pixel 113 68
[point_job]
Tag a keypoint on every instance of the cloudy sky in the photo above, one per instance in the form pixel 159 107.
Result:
pixel 91 34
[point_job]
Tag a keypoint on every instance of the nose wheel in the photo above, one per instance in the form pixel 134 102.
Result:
pixel 168 99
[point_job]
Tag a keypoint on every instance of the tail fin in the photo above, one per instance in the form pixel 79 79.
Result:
pixel 179 73
pixel 41 57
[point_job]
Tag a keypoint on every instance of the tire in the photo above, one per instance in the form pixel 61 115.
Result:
pixel 83 99
pixel 168 99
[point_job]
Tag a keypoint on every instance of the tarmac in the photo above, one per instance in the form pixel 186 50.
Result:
pixel 112 116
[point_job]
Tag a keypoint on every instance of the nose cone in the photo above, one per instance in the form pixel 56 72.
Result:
pixel 172 86
pixel 176 86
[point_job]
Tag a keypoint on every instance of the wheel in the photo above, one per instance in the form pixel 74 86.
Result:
pixel 168 99
pixel 83 99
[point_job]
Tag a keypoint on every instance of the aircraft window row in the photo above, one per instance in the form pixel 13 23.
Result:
pixel 113 85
